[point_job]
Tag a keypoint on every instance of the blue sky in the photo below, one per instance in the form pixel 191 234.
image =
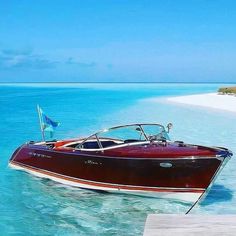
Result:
pixel 118 41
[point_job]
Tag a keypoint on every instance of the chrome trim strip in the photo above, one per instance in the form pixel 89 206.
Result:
pixel 214 177
pixel 80 153
pixel 98 141
pixel 144 134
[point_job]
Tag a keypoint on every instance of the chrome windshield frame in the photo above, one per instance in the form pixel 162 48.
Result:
pixel 95 136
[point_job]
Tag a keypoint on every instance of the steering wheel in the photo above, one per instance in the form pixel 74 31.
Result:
pixel 156 137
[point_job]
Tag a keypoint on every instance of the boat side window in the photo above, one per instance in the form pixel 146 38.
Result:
pixel 155 132
pixel 114 137
pixel 122 135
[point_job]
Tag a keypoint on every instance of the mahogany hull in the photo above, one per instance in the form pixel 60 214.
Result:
pixel 169 176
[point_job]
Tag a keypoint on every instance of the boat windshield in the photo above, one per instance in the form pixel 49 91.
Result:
pixel 124 135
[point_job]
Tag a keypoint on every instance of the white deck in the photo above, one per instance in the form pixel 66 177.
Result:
pixel 183 225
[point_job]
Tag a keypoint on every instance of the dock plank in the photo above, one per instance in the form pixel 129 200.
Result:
pixel 168 225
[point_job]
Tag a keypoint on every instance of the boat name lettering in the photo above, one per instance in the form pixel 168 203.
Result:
pixel 34 154
pixel 92 162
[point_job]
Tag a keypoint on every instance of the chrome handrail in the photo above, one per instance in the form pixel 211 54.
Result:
pixel 95 135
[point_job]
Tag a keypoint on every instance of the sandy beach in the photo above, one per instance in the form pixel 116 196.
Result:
pixel 210 100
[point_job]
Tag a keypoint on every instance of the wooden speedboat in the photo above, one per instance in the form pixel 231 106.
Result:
pixel 137 158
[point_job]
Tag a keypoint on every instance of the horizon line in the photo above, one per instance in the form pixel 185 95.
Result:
pixel 119 82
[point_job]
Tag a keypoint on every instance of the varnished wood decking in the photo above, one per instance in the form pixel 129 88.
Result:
pixel 187 225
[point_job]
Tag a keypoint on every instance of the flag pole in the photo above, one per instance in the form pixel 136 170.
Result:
pixel 41 123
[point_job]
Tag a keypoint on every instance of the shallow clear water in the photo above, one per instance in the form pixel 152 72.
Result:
pixel 35 206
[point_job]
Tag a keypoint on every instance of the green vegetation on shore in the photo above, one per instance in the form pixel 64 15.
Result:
pixel 227 90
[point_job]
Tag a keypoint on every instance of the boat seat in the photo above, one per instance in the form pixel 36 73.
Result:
pixel 90 145
pixel 131 140
pixel 108 143
pixel 94 144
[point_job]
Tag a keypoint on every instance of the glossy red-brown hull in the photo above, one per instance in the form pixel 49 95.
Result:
pixel 185 173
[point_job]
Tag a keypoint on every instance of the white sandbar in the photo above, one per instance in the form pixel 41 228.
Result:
pixel 210 100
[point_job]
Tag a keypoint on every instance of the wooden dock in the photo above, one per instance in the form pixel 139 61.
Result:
pixel 182 225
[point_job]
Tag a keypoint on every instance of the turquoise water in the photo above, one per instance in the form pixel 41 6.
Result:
pixel 34 206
